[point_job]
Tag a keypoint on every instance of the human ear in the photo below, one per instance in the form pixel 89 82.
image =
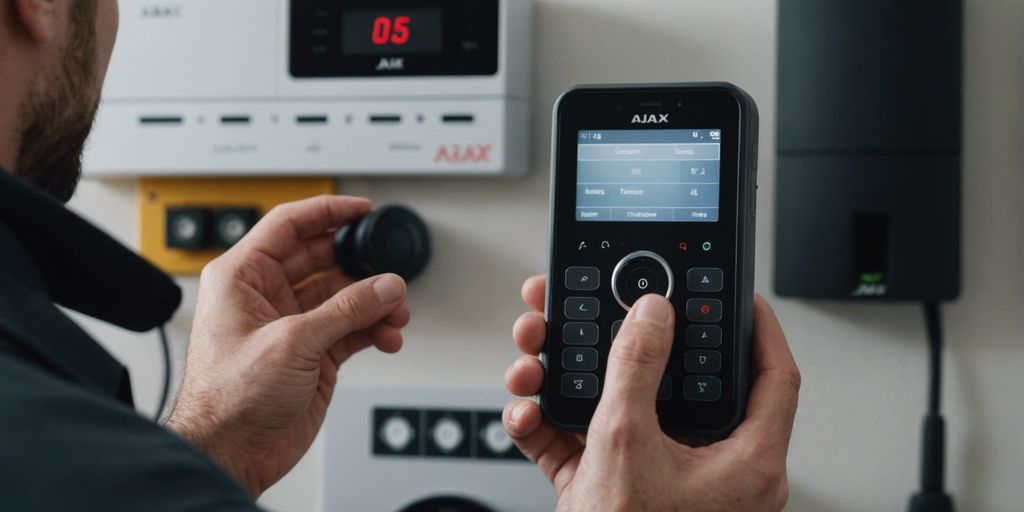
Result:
pixel 38 18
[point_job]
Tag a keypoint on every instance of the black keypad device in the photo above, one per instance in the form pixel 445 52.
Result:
pixel 652 190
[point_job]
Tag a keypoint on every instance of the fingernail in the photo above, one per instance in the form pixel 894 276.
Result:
pixel 653 309
pixel 515 413
pixel 389 288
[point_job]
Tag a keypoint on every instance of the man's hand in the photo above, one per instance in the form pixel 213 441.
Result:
pixel 625 462
pixel 274 322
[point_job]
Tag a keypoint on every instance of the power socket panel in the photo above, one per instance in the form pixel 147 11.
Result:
pixel 156 195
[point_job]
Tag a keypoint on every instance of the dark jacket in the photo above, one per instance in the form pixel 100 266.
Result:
pixel 70 439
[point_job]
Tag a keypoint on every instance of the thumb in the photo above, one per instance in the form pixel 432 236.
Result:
pixel 637 360
pixel 354 308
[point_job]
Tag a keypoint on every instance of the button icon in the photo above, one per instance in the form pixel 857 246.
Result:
pixel 683 247
pixel 705 279
pixel 704 310
pixel 605 244
pixel 706 246
pixel 583 245
pixel 703 336
pixel 582 308
pixel 702 388
pixel 579 385
pixel 580 333
pixel 702 361
pixel 582 278
pixel 579 359
pixel 643 280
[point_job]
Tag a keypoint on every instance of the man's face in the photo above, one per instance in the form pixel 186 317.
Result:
pixel 56 117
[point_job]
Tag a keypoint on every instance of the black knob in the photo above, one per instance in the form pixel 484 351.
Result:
pixel 390 239
pixel 447 504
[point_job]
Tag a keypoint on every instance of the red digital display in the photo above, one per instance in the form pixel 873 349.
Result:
pixel 392 32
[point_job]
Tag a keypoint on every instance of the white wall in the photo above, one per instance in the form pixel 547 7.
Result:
pixel 855 445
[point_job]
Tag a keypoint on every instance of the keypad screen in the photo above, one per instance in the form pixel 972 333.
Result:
pixel 648 175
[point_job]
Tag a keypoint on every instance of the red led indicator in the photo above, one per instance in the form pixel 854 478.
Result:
pixel 388 30
pixel 705 309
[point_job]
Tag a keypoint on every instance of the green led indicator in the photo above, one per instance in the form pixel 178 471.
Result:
pixel 872 278
pixel 706 246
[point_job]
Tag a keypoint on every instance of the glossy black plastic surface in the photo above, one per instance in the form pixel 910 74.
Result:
pixel 681 244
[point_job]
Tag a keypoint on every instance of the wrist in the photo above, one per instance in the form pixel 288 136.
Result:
pixel 201 431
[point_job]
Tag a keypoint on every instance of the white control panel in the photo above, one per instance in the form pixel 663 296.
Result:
pixel 390 448
pixel 286 87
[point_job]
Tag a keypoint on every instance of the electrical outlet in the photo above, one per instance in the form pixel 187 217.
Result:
pixel 186 222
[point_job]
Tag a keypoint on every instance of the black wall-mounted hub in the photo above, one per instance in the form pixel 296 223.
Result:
pixel 869 137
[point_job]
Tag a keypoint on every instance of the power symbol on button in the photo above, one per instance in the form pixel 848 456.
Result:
pixel 642 284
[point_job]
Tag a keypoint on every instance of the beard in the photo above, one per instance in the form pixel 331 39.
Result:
pixel 57 116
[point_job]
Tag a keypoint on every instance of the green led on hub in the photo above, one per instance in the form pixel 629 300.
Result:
pixel 872 277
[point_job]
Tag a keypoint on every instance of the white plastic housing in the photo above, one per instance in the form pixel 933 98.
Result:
pixel 187 66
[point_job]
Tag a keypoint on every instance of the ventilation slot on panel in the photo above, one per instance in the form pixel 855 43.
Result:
pixel 311 119
pixel 457 118
pixel 235 120
pixel 385 118
pixel 161 120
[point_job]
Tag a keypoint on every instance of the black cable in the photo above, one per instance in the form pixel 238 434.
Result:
pixel 166 347
pixel 933 328
pixel 933 497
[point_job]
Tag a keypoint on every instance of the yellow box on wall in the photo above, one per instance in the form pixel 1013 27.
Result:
pixel 156 195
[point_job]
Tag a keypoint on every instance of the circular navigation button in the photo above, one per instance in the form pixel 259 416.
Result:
pixel 638 274
pixel 643 280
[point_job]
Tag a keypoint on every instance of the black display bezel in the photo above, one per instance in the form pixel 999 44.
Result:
pixel 476 21
pixel 607 108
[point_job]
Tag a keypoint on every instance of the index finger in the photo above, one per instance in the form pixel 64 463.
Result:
pixel 277 232
pixel 773 397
